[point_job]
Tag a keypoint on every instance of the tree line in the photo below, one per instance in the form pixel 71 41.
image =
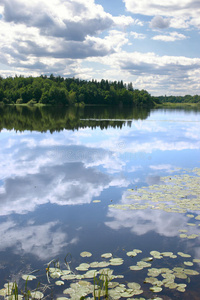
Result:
pixel 69 91
pixel 177 99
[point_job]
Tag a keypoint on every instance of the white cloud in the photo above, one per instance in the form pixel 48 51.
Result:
pixel 171 37
pixel 137 35
pixel 51 37
pixel 158 74
pixel 186 10
pixel 159 22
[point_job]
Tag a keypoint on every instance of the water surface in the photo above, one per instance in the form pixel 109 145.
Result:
pixel 56 162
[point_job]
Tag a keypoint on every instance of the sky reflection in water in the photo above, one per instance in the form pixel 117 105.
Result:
pixel 47 182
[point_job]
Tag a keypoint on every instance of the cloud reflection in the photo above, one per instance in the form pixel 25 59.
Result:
pixel 44 241
pixel 143 221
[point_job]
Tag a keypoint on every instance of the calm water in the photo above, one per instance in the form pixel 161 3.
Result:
pixel 55 163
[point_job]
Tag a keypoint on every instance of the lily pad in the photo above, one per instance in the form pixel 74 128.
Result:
pixel 188 263
pixel 59 282
pixel 155 289
pixel 85 254
pixel 37 295
pixel 28 277
pixel 106 255
pixel 116 261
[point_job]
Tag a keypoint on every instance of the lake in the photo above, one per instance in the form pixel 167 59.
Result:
pixel 121 184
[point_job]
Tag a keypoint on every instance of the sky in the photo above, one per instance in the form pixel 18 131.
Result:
pixel 153 44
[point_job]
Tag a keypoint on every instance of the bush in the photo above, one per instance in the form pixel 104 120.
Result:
pixel 32 102
pixel 19 101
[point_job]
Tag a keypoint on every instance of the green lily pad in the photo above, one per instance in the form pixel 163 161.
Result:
pixel 28 277
pixel 59 282
pixel 37 295
pixel 116 261
pixel 136 268
pixel 85 254
pixel 183 254
pixel 188 263
pixel 106 255
pixel 155 289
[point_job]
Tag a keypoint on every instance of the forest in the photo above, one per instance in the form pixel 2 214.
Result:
pixel 73 91
pixel 177 99
pixel 70 91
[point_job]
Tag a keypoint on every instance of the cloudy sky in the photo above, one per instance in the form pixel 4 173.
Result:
pixel 154 44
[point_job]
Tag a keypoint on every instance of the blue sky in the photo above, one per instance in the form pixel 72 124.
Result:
pixel 154 44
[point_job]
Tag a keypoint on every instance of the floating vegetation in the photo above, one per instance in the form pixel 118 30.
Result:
pixel 106 255
pixel 92 280
pixel 85 254
pixel 178 194
pixel 175 194
pixel 98 280
pixel 28 277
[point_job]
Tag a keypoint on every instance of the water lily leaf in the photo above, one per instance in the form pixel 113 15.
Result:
pixel 59 282
pixel 85 254
pixel 180 275
pixel 134 285
pixel 143 264
pixel 68 277
pixel 137 250
pixel 191 272
pixel 196 260
pixel 155 253
pixel 94 264
pixel 131 253
pixel 136 268
pixel 183 254
pixel 190 216
pixel 3 292
pixel 183 235
pixel 167 254
pixel 188 263
pixel 55 275
pixel 83 267
pixel 116 261
pixel 91 274
pixel 106 255
pixel 180 289
pixel 37 295
pixel 96 201
pixel 192 236
pixel 147 259
pixel 156 289
pixel 84 283
pixel 28 277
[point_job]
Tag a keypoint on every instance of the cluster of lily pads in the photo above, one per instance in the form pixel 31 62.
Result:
pixel 10 291
pixel 88 279
pixel 96 279
pixel 92 280
pixel 174 194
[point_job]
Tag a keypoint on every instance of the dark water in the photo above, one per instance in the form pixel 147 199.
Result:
pixel 54 162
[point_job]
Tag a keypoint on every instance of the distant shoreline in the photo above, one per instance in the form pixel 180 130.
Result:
pixel 176 105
